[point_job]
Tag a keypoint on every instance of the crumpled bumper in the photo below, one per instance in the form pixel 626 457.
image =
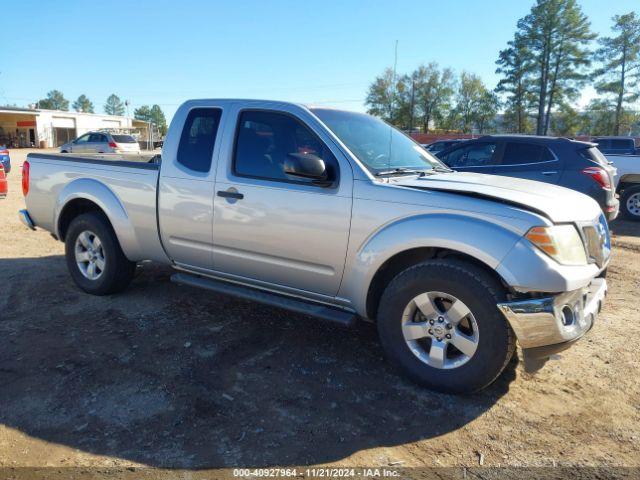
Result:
pixel 548 325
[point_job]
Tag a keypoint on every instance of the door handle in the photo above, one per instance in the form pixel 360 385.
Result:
pixel 230 194
pixel 550 172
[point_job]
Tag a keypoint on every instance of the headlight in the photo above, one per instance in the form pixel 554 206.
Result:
pixel 560 242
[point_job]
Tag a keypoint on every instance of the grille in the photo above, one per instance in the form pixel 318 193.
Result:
pixel 597 241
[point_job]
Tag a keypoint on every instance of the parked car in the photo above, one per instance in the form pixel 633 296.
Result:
pixel 440 145
pixel 5 159
pixel 559 161
pixel 627 184
pixel 102 142
pixel 4 186
pixel 340 216
pixel 617 145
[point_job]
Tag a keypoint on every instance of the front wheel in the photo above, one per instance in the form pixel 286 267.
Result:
pixel 94 257
pixel 438 321
pixel 630 203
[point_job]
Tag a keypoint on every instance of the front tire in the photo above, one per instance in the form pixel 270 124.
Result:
pixel 439 323
pixel 630 203
pixel 94 257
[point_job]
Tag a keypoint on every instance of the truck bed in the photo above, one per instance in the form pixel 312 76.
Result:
pixel 628 167
pixel 128 182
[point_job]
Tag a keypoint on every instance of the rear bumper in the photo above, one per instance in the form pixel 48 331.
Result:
pixel 25 218
pixel 612 209
pixel 548 325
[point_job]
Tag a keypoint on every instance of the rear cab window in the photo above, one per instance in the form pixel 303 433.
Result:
pixel 622 144
pixel 603 143
pixel 195 150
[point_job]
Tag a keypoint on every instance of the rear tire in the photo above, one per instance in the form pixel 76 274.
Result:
pixel 630 203
pixel 94 257
pixel 483 333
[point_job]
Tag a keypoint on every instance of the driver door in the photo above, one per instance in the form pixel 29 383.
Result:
pixel 80 144
pixel 271 228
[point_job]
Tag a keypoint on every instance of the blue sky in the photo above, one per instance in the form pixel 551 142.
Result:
pixel 323 52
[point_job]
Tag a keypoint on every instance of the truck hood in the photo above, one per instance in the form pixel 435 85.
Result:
pixel 559 204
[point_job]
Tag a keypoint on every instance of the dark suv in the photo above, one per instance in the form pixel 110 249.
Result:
pixel 568 163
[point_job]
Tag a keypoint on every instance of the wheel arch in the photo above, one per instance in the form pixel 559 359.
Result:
pixel 406 259
pixel 474 239
pixel 85 195
pixel 628 180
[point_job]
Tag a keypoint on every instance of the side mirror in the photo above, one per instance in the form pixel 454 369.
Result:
pixel 307 165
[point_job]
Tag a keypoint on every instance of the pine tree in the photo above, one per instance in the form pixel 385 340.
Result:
pixel 619 75
pixel 55 101
pixel 114 106
pixel 556 36
pixel 83 104
pixel 515 67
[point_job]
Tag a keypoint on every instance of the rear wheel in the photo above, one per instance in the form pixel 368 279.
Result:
pixel 438 321
pixel 630 203
pixel 94 257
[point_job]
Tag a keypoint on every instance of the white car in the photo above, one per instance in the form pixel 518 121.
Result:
pixel 627 184
pixel 102 142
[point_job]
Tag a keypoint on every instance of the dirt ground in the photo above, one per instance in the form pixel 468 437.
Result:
pixel 172 377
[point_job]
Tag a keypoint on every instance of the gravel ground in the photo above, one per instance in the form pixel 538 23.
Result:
pixel 172 377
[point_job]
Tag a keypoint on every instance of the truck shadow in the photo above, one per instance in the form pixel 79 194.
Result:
pixel 620 227
pixel 173 377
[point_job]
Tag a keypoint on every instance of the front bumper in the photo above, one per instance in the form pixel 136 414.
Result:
pixel 548 325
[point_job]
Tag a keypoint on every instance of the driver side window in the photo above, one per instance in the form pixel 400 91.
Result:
pixel 83 139
pixel 265 140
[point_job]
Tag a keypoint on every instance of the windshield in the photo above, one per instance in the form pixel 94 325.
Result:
pixel 379 146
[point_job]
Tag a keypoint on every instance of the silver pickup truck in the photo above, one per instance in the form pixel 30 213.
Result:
pixel 340 216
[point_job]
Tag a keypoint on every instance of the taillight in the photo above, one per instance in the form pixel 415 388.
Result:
pixel 113 145
pixel 4 152
pixel 599 175
pixel 25 178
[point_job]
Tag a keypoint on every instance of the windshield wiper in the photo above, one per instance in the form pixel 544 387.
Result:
pixel 443 169
pixel 399 171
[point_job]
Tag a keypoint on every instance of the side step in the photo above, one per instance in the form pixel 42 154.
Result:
pixel 324 312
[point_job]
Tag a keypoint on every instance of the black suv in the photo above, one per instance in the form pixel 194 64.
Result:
pixel 568 163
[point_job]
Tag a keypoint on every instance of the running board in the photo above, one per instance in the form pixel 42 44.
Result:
pixel 317 310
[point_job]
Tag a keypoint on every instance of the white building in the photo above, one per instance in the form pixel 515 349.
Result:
pixel 25 127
